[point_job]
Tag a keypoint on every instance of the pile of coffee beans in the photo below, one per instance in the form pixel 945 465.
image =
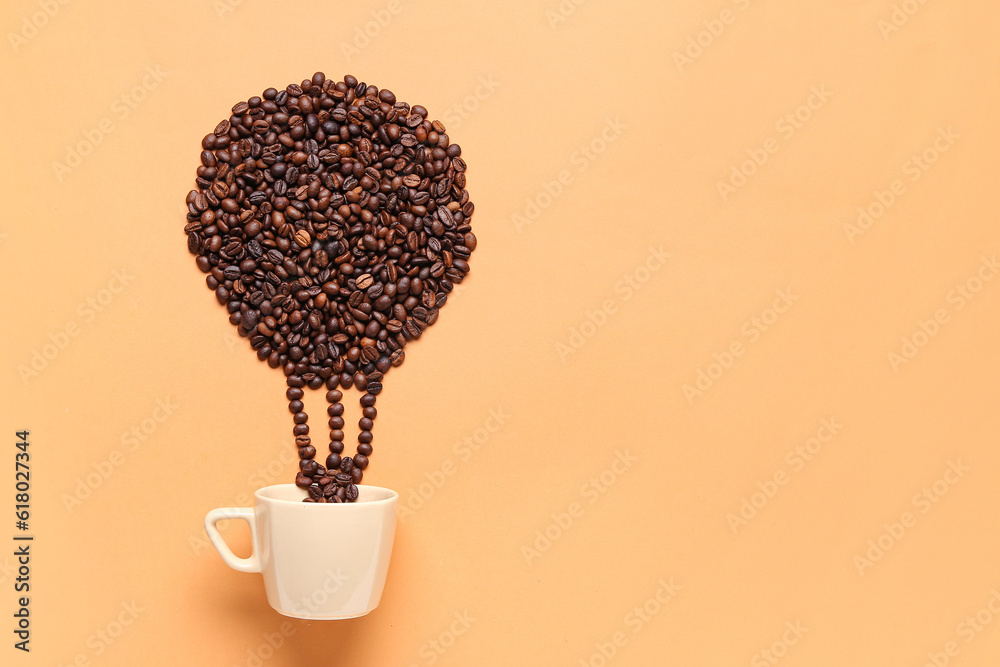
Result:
pixel 332 221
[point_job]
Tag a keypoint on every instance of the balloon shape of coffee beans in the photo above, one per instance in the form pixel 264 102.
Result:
pixel 332 221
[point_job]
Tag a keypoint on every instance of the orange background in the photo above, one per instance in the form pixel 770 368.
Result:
pixel 595 137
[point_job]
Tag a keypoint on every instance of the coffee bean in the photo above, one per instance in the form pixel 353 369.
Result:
pixel 332 221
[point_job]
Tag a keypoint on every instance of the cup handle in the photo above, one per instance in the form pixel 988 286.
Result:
pixel 251 564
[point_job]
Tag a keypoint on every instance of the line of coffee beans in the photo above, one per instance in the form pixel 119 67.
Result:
pixel 333 221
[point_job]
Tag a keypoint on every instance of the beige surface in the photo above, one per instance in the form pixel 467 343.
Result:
pixel 612 270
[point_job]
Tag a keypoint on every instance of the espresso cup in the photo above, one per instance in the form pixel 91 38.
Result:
pixel 320 561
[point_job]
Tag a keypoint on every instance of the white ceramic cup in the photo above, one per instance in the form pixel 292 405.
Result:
pixel 320 561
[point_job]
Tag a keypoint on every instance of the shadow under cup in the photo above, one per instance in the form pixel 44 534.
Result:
pixel 319 561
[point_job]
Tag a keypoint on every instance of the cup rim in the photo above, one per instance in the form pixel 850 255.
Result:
pixel 391 498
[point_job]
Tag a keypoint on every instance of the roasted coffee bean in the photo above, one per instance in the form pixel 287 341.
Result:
pixel 332 221
pixel 410 329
